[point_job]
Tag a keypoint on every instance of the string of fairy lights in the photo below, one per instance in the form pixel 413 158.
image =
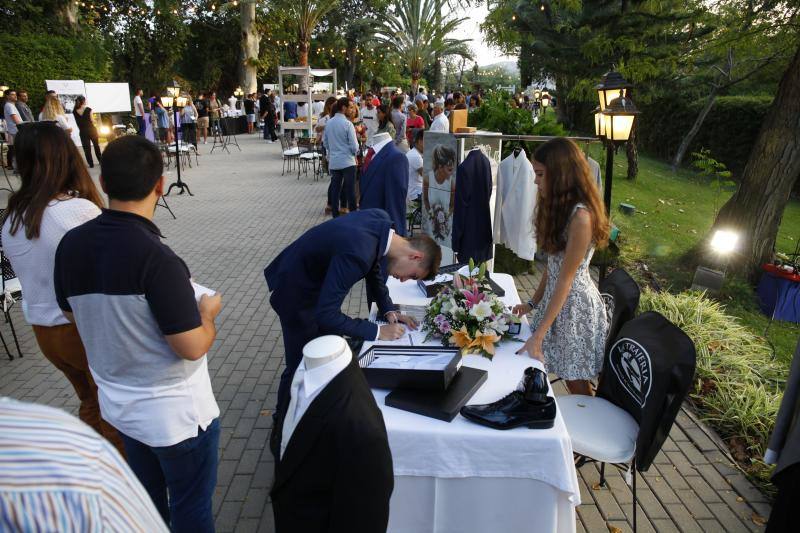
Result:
pixel 370 57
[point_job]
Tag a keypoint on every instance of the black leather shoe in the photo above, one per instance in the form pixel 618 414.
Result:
pixel 530 407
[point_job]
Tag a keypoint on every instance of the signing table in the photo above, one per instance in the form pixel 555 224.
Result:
pixel 463 477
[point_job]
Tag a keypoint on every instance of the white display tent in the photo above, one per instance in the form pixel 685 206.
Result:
pixel 306 77
pixel 108 97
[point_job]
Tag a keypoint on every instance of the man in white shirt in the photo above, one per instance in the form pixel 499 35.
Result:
pixel 440 122
pixel 369 116
pixel 138 109
pixel 12 118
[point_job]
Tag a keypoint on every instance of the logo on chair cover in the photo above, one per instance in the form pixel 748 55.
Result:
pixel 631 364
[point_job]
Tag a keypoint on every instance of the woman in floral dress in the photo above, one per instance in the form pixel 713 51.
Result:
pixel 569 320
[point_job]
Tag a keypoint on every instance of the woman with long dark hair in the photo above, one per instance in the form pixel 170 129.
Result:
pixel 569 321
pixel 87 130
pixel 56 194
pixel 385 121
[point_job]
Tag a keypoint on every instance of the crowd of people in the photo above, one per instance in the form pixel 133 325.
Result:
pixel 116 311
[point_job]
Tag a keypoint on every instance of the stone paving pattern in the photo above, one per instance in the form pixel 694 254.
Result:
pixel 243 213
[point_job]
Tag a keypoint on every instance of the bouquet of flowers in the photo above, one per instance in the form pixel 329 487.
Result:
pixel 468 315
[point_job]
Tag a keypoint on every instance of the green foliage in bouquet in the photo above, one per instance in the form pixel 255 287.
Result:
pixel 467 314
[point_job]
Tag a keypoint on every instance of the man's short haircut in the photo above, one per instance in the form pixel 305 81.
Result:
pixel 438 104
pixel 431 252
pixel 397 101
pixel 130 166
pixel 419 135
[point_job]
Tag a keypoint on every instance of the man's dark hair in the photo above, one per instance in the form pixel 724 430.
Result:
pixel 419 135
pixel 397 101
pixel 341 104
pixel 130 166
pixel 431 252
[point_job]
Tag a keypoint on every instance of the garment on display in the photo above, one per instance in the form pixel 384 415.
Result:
pixel 527 406
pixel 515 205
pixel 334 471
pixel 472 219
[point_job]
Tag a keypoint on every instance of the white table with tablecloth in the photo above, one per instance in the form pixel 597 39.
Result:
pixel 461 477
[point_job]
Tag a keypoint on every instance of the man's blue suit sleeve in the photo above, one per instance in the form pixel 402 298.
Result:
pixel 396 190
pixel 344 271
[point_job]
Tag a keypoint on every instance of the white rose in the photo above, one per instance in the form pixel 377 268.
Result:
pixel 481 310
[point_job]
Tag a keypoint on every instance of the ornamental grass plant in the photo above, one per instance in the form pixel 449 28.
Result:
pixel 738 386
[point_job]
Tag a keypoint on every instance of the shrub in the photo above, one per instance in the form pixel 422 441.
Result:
pixel 729 130
pixel 738 387
pixel 31 58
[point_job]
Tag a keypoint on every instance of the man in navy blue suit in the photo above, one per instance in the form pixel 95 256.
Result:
pixel 310 279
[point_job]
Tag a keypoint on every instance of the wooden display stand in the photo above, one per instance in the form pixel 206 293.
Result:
pixel 306 75
pixel 458 120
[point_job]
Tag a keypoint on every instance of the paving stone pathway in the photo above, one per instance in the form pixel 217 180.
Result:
pixel 243 213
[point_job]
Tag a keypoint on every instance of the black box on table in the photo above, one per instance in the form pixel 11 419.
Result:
pixel 411 378
pixel 442 405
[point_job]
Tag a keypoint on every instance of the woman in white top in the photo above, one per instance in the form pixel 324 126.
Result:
pixel 56 194
pixel 53 111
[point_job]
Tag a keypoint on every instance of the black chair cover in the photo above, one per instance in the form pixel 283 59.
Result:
pixel 648 372
pixel 621 297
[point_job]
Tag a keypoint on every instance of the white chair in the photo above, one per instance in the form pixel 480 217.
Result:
pixel 647 372
pixel 12 293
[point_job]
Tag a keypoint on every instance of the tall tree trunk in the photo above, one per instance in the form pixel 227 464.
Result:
pixel 67 12
pixel 562 88
pixel 350 69
pixel 250 38
pixel 304 41
pixel 437 73
pixel 755 210
pixel 694 130
pixel 632 153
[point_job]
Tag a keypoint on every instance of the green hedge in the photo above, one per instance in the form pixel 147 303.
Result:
pixel 729 130
pixel 31 58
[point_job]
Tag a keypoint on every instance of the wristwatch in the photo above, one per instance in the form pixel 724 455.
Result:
pixel 533 305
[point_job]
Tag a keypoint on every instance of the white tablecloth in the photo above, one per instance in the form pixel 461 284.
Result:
pixel 438 465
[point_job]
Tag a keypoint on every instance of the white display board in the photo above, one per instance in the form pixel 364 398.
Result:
pixel 108 97
pixel 68 91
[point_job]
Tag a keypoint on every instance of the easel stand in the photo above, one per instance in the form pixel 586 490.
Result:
pixel 179 184
pixel 219 140
pixel 230 137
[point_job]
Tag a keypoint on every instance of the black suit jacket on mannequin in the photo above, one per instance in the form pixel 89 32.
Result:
pixel 336 472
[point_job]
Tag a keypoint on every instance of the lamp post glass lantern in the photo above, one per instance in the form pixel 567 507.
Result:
pixel 3 89
pixel 611 86
pixel 175 100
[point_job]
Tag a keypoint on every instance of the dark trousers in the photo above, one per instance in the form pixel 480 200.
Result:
pixel 87 141
pixel 269 129
pixel 189 131
pixel 10 156
pixel 142 127
pixel 180 479
pixel 342 177
pixel 298 328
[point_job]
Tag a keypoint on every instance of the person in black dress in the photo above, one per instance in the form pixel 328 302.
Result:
pixel 86 129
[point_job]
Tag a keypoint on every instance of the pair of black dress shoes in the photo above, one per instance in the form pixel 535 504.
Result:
pixel 530 407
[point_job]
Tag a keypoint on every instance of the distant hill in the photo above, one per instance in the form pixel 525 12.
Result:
pixel 509 66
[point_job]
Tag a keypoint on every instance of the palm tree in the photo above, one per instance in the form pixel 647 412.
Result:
pixel 419 30
pixel 308 14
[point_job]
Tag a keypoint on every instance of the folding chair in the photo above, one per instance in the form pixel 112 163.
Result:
pixel 647 374
pixel 290 154
pixel 12 293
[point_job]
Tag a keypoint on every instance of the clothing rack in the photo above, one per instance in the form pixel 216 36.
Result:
pixel 530 138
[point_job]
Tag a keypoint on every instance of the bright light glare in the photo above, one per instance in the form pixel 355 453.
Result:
pixel 105 130
pixel 724 242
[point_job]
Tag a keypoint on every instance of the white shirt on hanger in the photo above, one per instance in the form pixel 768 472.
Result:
pixel 516 202
pixel 306 386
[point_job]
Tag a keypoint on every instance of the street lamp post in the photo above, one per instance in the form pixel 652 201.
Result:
pixel 174 100
pixel 238 93
pixel 614 119
pixel 545 97
pixel 3 89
